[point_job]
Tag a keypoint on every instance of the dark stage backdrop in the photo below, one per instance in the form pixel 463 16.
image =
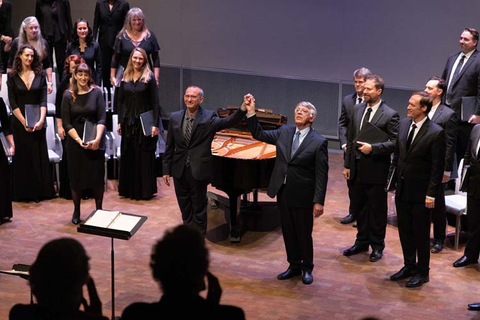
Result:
pixel 287 51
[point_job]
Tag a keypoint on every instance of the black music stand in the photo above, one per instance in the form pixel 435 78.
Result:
pixel 109 231
pixel 20 270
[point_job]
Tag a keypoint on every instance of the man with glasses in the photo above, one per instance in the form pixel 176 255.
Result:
pixel 299 180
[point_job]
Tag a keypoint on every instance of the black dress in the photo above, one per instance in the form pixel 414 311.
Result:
pixel 124 46
pixel 65 191
pixel 32 171
pixel 137 178
pixel 5 168
pixel 92 56
pixel 86 168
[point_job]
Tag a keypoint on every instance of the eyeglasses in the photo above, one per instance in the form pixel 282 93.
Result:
pixel 302 111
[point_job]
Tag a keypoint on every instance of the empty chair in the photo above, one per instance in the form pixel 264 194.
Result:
pixel 457 204
pixel 55 149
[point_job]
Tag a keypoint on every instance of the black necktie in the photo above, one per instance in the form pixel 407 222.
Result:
pixel 188 130
pixel 359 100
pixel 410 136
pixel 455 76
pixel 367 117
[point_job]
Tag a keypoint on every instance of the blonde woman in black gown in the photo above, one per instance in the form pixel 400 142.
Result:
pixel 86 162
pixel 32 172
pixel 138 94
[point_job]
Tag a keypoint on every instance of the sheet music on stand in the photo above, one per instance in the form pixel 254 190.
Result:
pixel 114 225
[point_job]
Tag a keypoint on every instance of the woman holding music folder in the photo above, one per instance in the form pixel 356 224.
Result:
pixel 138 118
pixel 27 92
pixel 83 117
pixel 6 152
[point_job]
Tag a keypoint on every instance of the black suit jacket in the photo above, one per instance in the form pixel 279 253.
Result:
pixel 467 83
pixel 205 126
pixel 472 159
pixel 43 15
pixel 108 23
pixel 447 119
pixel 372 168
pixel 348 103
pixel 306 171
pixel 420 169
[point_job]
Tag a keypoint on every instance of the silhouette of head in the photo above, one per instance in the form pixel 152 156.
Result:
pixel 59 273
pixel 179 261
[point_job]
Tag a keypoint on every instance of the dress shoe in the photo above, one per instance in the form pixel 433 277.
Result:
pixel 354 250
pixel 289 273
pixel 307 277
pixel 474 306
pixel 376 255
pixel 417 281
pixel 347 219
pixel 463 261
pixel 404 273
pixel 437 246
pixel 76 218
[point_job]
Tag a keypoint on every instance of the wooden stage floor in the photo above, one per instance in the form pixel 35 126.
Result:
pixel 344 288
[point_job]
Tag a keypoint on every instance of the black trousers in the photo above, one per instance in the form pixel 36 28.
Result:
pixel 107 53
pixel 370 203
pixel 439 216
pixel 472 248
pixel 60 49
pixel 463 136
pixel 297 226
pixel 192 200
pixel 413 220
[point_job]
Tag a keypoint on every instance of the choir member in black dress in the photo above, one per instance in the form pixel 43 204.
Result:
pixel 71 62
pixel 138 93
pixel 82 44
pixel 86 162
pixel 5 170
pixel 6 32
pixel 108 21
pixel 55 20
pixel 57 278
pixel 135 34
pixel 30 33
pixel 32 171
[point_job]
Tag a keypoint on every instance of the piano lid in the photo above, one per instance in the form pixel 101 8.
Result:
pixel 267 119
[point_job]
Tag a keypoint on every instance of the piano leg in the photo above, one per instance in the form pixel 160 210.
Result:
pixel 235 201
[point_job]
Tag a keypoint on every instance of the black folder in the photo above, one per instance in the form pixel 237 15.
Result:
pixel 468 107
pixel 148 121
pixel 370 133
pixel 6 147
pixel 32 115
pixel 465 179
pixel 90 133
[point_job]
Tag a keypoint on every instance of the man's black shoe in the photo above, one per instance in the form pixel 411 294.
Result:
pixel 307 277
pixel 417 281
pixel 437 246
pixel 404 273
pixel 289 273
pixel 354 250
pixel 474 306
pixel 463 261
pixel 347 219
pixel 376 255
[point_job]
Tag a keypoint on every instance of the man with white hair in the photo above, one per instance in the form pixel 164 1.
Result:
pixel 299 180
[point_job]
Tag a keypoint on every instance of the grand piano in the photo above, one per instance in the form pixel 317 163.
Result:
pixel 243 164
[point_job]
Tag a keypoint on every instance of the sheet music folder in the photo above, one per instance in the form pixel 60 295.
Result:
pixel 148 121
pixel 112 224
pixel 370 133
pixel 468 107
pixel 90 133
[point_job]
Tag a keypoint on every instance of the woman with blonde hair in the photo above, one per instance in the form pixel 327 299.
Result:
pixel 138 94
pixel 134 34
pixel 31 34
pixel 86 159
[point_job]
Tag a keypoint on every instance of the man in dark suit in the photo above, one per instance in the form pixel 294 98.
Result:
pixel 462 74
pixel 366 165
pixel 348 102
pixel 108 20
pixel 188 157
pixel 299 180
pixel 419 160
pixel 472 159
pixel 447 119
